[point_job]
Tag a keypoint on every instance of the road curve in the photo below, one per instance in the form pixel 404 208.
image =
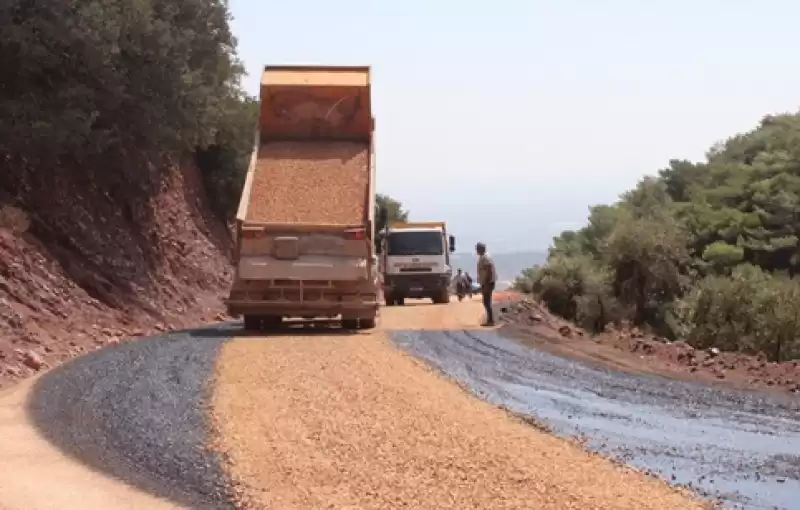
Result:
pixel 134 412
pixel 37 475
pixel 201 420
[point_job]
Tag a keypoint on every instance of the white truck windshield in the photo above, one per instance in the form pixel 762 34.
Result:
pixel 415 243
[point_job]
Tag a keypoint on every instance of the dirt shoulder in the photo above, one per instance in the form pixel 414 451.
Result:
pixel 350 421
pixel 631 350
pixel 38 476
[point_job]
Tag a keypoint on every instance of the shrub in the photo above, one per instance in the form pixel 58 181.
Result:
pixel 575 288
pixel 750 311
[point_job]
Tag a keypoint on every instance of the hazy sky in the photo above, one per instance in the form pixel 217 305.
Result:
pixel 509 121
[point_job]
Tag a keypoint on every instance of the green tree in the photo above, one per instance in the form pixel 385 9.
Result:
pixel 750 311
pixel 224 163
pixel 394 212
pixel 708 249
pixel 649 261
pixel 83 78
pixel 394 209
pixel 115 89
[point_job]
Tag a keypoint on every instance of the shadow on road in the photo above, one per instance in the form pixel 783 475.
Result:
pixel 135 411
pixel 287 328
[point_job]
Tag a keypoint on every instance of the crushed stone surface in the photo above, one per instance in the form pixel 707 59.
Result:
pixel 136 411
pixel 350 421
pixel 322 183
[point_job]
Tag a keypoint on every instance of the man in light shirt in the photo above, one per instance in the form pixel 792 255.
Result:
pixel 487 277
pixel 460 281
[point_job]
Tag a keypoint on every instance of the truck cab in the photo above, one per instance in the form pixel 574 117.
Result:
pixel 416 262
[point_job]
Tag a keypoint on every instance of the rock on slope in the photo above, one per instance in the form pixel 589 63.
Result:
pixel 82 265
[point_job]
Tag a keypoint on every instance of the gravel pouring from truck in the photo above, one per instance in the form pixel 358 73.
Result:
pixel 305 223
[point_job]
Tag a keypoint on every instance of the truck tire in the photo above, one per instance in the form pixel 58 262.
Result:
pixel 367 323
pixel 271 321
pixel 389 299
pixel 252 322
pixel 349 323
pixel 442 298
pixel 401 301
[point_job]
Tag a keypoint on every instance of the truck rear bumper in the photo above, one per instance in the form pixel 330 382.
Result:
pixel 415 286
pixel 360 309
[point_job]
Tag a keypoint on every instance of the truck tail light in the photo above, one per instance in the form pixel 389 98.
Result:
pixel 355 234
pixel 252 233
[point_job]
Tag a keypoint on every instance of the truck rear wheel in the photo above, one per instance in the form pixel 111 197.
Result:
pixel 252 322
pixel 349 323
pixel 367 323
pixel 272 321
pixel 442 297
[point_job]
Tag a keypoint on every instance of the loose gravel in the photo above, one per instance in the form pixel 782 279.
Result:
pixel 137 411
pixel 324 183
pixel 349 421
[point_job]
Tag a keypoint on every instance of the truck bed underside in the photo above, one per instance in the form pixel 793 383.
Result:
pixel 303 298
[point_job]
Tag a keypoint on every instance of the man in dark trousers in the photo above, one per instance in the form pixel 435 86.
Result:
pixel 487 277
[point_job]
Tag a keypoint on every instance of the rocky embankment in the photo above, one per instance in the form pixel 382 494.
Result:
pixel 83 266
pixel 628 348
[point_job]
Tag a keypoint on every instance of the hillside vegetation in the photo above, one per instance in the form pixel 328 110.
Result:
pixel 707 252
pixel 124 138
pixel 109 88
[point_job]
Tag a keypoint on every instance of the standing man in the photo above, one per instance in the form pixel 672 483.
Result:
pixel 487 276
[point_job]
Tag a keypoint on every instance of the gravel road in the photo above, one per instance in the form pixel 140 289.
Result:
pixel 137 412
pixel 333 420
pixel 743 447
pixel 344 419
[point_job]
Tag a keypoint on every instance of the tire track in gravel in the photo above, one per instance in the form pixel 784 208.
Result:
pixel 136 411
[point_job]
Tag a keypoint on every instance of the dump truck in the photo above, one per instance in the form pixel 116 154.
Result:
pixel 415 262
pixel 305 223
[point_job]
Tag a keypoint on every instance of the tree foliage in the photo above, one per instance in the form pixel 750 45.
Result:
pixel 708 251
pixel 394 212
pixel 94 83
pixel 224 162
pixel 394 209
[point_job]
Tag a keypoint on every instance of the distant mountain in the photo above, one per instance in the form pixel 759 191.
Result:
pixel 509 265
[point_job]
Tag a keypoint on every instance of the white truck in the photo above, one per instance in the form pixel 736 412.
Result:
pixel 308 268
pixel 415 262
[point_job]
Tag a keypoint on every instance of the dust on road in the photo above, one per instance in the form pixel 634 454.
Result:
pixel 349 421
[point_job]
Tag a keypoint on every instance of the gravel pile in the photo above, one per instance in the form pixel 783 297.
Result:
pixel 310 182
pixel 137 411
pixel 349 421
